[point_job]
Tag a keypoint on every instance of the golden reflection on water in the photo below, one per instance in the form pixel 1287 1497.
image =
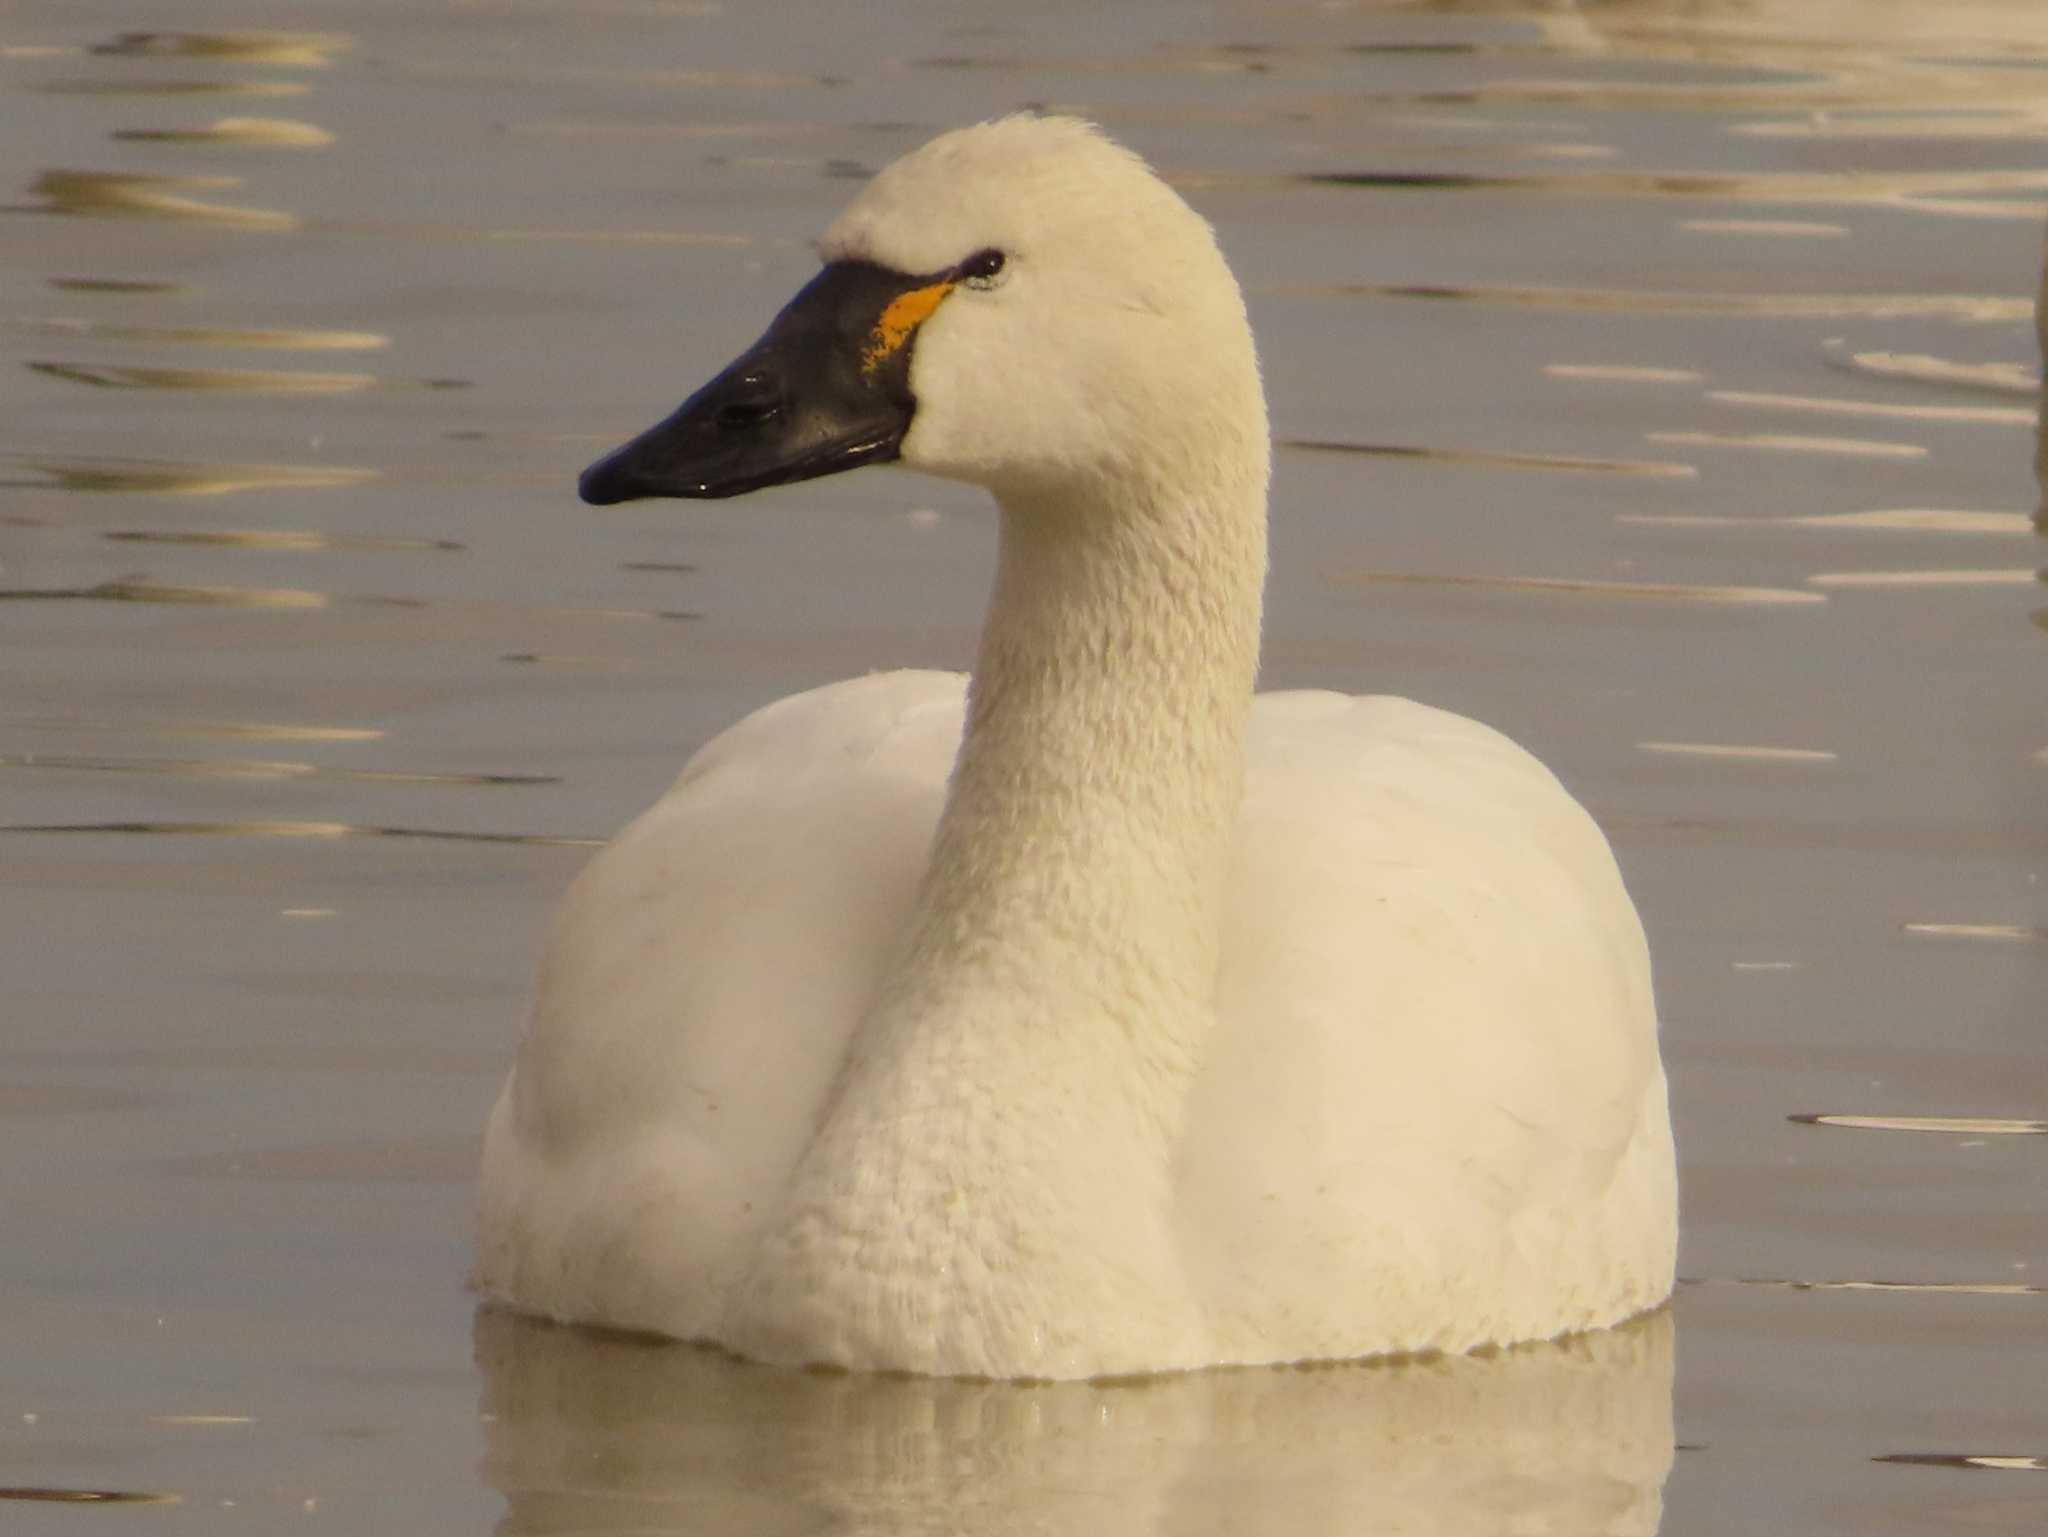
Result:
pixel 1790 229
pixel 1981 193
pixel 294 829
pixel 1792 443
pixel 240 381
pixel 253 338
pixel 233 730
pixel 136 590
pixel 1623 373
pixel 1997 378
pixel 133 195
pixel 163 477
pixel 1752 754
pixel 1991 931
pixel 278 539
pixel 257 768
pixel 264 132
pixel 2002 123
pixel 1920 520
pixel 88 1496
pixel 270 89
pixel 1905 520
pixel 143 590
pixel 1990 1461
pixel 1682 592
pixel 279 50
pixel 2006 416
pixel 2016 576
pixel 1966 309
pixel 1955 1125
pixel 1961 86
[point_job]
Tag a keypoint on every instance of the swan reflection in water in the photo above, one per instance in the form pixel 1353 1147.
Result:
pixel 2041 435
pixel 595 1433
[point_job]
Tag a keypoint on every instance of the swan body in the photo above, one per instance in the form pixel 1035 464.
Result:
pixel 1085 1017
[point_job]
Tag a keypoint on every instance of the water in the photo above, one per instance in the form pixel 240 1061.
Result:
pixel 1659 383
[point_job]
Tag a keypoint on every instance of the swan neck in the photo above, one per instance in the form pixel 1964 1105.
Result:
pixel 1081 852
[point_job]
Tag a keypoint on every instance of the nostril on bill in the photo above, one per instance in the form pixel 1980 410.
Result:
pixel 745 415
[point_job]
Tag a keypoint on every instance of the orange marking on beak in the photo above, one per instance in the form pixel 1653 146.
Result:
pixel 906 312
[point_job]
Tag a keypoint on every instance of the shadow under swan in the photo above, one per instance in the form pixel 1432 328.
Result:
pixel 592 1433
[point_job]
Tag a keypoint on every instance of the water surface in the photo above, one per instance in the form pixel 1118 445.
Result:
pixel 1656 380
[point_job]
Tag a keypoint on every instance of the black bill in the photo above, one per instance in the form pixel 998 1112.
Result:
pixel 825 389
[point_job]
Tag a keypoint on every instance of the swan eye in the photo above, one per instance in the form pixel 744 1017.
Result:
pixel 983 268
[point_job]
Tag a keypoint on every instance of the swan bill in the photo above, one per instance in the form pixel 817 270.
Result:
pixel 825 389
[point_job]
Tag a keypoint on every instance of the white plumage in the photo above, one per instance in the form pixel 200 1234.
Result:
pixel 1163 1030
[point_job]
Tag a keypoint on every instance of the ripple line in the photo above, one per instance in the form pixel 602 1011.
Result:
pixel 139 590
pixel 1793 443
pixel 1651 469
pixel 1827 406
pixel 2011 576
pixel 318 831
pixel 1626 373
pixel 1791 229
pixel 136 591
pixel 252 338
pixel 1908 520
pixel 1954 1125
pixel 278 50
pixel 1992 1461
pixel 1995 931
pixel 257 768
pixel 1683 592
pixel 88 1496
pixel 236 381
pixel 266 132
pixel 293 539
pixel 241 730
pixel 170 477
pixel 1941 1288
pixel 1730 750
pixel 1922 368
pixel 127 195
pixel 1966 309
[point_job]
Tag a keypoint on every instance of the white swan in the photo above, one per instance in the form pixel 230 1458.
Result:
pixel 1174 1029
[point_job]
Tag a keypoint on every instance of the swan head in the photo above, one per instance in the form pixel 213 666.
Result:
pixel 1022 305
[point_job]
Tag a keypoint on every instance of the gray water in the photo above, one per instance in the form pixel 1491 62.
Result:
pixel 1656 380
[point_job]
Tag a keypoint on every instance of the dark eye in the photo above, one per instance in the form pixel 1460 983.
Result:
pixel 983 266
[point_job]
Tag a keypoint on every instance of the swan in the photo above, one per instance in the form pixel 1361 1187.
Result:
pixel 1085 1016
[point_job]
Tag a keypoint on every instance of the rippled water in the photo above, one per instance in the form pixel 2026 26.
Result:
pixel 1656 380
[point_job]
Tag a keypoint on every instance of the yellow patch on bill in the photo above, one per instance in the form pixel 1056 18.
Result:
pixel 906 312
